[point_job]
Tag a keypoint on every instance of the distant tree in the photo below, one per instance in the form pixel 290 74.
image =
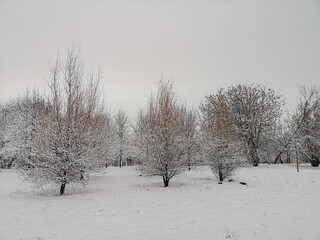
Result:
pixel 303 128
pixel 188 122
pixel 162 138
pixel 306 122
pixel 221 148
pixel 278 139
pixel 19 118
pixel 122 138
pixel 3 125
pixel 69 140
pixel 139 134
pixel 6 157
pixel 255 112
pixel 110 138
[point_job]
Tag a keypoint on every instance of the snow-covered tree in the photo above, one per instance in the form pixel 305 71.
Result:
pixel 222 150
pixel 306 124
pixel 303 131
pixel 20 117
pixel 162 138
pixel 122 136
pixel 5 160
pixel 276 142
pixel 188 122
pixel 69 140
pixel 139 133
pixel 255 112
pixel 110 138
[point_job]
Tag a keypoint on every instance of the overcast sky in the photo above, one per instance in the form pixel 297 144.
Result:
pixel 203 45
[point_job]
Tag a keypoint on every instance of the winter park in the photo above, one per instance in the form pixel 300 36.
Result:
pixel 159 120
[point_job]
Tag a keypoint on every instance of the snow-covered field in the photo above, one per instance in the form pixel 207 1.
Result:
pixel 277 203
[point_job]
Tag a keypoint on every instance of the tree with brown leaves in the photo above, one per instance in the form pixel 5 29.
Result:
pixel 222 150
pixel 165 137
pixel 69 140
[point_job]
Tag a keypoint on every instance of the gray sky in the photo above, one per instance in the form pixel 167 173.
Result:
pixel 203 45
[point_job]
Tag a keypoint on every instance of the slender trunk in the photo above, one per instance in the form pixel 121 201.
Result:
pixel 297 159
pixel 166 177
pixel 220 176
pixel 165 181
pixel 63 186
pixel 288 157
pixel 278 157
pixel 254 157
pixel 253 153
pixel 10 163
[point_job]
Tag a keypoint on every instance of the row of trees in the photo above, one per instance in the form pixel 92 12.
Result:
pixel 61 136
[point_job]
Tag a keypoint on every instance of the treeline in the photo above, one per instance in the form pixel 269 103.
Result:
pixel 63 135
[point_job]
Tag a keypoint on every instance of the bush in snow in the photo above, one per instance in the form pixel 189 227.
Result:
pixel 165 136
pixel 221 149
pixel 222 156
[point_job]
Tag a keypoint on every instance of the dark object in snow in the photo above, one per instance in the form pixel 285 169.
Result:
pixel 219 182
pixel 315 161
pixel 231 180
pixel 243 183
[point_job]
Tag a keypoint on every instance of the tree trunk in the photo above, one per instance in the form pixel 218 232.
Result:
pixel 253 153
pixel 297 159
pixel 288 157
pixel 165 181
pixel 63 186
pixel 10 163
pixel 255 159
pixel 220 176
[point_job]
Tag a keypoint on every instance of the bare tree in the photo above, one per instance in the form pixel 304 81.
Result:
pixel 188 123
pixel 5 160
pixel 255 111
pixel 165 146
pixel 140 131
pixel 221 148
pixel 19 118
pixel 70 139
pixel 305 127
pixel 122 125
pixel 110 138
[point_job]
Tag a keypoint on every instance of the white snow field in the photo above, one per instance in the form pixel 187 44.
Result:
pixel 278 203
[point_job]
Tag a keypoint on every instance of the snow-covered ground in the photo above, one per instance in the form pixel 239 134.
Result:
pixel 278 203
